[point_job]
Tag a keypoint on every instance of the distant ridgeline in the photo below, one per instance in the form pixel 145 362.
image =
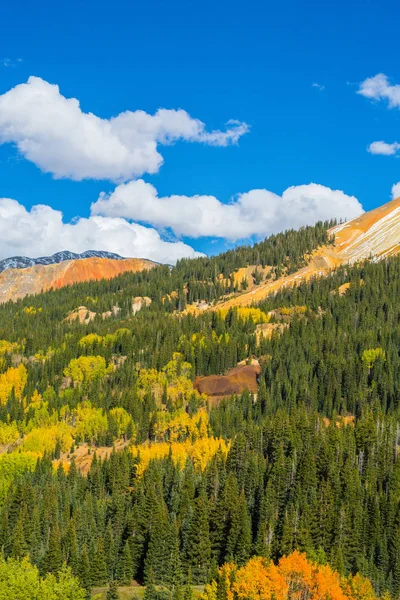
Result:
pixel 23 262
pixel 309 463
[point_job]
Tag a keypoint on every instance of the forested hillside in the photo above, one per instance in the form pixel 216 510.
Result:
pixel 113 464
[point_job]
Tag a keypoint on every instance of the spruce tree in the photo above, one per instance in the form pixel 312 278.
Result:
pixel 84 570
pixel 198 549
pixel 53 559
pixel 112 592
pixel 124 566
pixel 19 547
pixel 98 570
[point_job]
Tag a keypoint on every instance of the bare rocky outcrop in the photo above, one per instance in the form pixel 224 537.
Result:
pixel 139 302
pixel 235 381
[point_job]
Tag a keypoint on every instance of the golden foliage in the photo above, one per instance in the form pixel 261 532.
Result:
pixel 200 452
pixel 122 419
pixel 44 355
pixel 89 422
pixel 8 347
pixel 44 439
pixel 180 426
pixel 31 310
pixel 14 378
pixel 294 578
pixel 90 340
pixel 174 379
pixel 177 367
pixel 246 314
pixel 8 433
pixel 87 368
pixel 370 356
pixel 13 465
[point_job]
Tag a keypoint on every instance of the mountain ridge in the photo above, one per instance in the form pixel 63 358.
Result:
pixel 24 262
pixel 374 235
pixel 17 283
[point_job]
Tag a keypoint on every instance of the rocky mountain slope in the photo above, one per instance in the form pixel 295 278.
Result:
pixel 374 235
pixel 19 282
pixel 23 262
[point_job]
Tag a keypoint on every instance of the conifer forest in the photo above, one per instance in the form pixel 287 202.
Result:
pixel 120 479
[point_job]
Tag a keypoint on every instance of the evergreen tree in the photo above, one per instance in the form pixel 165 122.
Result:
pixel 53 559
pixel 124 567
pixel 98 570
pixel 112 592
pixel 198 549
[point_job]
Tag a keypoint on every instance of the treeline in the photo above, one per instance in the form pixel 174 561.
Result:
pixel 169 288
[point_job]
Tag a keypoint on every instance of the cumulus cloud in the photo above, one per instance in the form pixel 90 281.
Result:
pixel 380 88
pixel 396 190
pixel 258 212
pixel 42 231
pixel 384 148
pixel 57 136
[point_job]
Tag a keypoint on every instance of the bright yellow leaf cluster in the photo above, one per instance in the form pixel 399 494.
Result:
pixel 31 310
pixel 14 378
pixel 122 419
pixel 246 314
pixel 8 347
pixel 174 379
pixel 370 356
pixel 180 426
pixel 44 355
pixel 87 368
pixel 8 433
pixel 200 452
pixel 177 367
pixel 90 340
pixel 90 422
pixel 44 439
pixel 105 340
pixel 13 465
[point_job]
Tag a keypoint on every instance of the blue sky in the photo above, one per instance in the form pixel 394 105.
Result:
pixel 255 62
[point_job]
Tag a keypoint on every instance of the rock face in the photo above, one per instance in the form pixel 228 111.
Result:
pixel 375 235
pixel 139 302
pixel 23 262
pixel 235 381
pixel 19 282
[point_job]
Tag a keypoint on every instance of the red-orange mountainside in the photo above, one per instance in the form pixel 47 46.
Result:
pixel 17 283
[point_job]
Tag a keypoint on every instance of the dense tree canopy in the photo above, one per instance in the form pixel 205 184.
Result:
pixel 310 464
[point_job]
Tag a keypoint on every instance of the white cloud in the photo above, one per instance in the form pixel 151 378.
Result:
pixel 396 190
pixel 57 136
pixel 255 213
pixel 41 231
pixel 384 148
pixel 319 86
pixel 379 88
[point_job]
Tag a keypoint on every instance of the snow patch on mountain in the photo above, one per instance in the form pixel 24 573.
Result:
pixel 23 262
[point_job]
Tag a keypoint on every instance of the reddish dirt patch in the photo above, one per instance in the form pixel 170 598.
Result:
pixel 236 381
pixel 83 455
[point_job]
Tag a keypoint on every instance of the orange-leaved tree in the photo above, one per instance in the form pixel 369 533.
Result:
pixel 295 577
